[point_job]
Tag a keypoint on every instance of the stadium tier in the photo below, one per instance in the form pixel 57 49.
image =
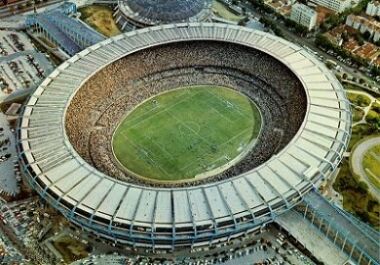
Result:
pixel 96 110
pixel 142 13
pixel 66 130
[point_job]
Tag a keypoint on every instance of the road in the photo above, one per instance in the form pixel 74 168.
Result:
pixel 357 165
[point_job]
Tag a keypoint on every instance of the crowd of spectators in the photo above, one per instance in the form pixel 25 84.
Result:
pixel 102 102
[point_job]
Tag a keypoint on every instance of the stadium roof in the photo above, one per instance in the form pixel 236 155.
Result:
pixel 314 152
pixel 58 35
pixel 69 33
pixel 153 12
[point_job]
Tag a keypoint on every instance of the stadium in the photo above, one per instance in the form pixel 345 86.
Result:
pixel 294 117
pixel 131 14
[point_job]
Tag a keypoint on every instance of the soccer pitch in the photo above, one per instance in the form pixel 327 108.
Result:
pixel 185 132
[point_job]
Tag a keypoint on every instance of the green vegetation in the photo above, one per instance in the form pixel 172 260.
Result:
pixel 100 18
pixel 376 106
pixel 260 5
pixel 298 28
pixel 352 87
pixel 371 164
pixel 359 99
pixel 359 132
pixel 269 23
pixel 356 198
pixel 372 125
pixel 357 114
pixel 225 12
pixel 373 116
pixel 185 132
pixel 70 248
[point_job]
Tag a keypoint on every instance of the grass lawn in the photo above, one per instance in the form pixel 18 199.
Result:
pixel 356 198
pixel 371 164
pixel 357 114
pixel 185 132
pixel 359 99
pixel 223 11
pixel 359 132
pixel 373 116
pixel 70 248
pixel 100 18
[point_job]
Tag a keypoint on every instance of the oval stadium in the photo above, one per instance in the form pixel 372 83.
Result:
pixel 132 14
pixel 184 135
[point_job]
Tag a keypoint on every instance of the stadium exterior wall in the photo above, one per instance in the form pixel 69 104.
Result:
pixel 188 216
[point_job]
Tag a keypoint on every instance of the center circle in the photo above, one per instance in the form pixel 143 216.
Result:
pixel 187 133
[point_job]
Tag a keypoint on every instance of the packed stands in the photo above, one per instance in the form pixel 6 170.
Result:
pixel 96 110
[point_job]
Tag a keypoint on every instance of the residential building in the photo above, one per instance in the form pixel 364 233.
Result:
pixel 373 8
pixel 364 24
pixel 282 7
pixel 304 16
pixel 336 5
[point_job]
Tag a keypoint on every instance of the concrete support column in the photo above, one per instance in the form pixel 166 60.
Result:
pixel 336 235
pixel 344 243
pixel 305 212
pixel 360 257
pixel 312 219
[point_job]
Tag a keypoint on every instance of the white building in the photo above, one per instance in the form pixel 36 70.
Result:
pixel 304 15
pixel 336 5
pixel 364 24
pixel 373 8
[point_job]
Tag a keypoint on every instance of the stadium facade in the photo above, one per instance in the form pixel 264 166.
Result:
pixel 190 216
pixel 142 13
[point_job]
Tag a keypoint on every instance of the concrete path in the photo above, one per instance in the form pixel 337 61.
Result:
pixel 365 109
pixel 356 162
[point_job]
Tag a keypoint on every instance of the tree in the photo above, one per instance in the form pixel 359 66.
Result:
pixel 376 107
pixel 367 35
pixel 345 36
pixel 329 65
pixel 323 41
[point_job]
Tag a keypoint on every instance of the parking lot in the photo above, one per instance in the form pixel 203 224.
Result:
pixel 12 42
pixel 9 171
pixel 9 254
pixel 21 66
pixel 19 217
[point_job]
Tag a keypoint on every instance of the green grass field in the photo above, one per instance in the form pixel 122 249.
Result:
pixel 357 114
pixel 185 132
pixel 371 164
pixel 358 99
